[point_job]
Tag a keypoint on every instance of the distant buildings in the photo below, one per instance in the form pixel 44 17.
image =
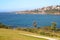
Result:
pixel 44 10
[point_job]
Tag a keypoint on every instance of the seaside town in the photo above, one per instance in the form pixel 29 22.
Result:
pixel 44 10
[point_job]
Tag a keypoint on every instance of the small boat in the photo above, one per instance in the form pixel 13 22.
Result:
pixel 16 13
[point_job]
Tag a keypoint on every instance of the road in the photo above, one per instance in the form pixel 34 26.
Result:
pixel 48 38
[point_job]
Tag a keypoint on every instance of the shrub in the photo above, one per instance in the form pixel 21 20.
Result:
pixel 42 33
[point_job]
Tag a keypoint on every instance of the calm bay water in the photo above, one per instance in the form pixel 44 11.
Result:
pixel 26 20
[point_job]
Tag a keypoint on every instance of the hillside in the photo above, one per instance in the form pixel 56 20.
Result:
pixel 44 10
pixel 8 34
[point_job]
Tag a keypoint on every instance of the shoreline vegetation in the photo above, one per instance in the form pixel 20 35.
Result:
pixel 49 31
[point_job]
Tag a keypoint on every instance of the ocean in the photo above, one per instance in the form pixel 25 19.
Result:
pixel 26 20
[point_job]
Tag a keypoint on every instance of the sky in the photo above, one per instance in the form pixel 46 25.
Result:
pixel 18 5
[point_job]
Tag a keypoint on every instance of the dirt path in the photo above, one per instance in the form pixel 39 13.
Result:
pixel 40 36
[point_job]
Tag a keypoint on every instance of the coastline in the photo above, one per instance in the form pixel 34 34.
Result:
pixel 40 13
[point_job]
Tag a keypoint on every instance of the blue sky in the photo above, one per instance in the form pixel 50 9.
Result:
pixel 13 5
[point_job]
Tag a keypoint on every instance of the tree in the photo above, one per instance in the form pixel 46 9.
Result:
pixel 36 10
pixel 34 24
pixel 35 27
pixel 53 26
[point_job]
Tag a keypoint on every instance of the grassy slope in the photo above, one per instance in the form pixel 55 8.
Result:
pixel 8 34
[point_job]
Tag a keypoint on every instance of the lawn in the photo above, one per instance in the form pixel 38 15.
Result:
pixel 9 34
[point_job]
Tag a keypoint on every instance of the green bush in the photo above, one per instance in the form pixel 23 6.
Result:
pixel 42 33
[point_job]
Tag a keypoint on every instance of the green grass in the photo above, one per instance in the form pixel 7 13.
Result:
pixel 8 34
